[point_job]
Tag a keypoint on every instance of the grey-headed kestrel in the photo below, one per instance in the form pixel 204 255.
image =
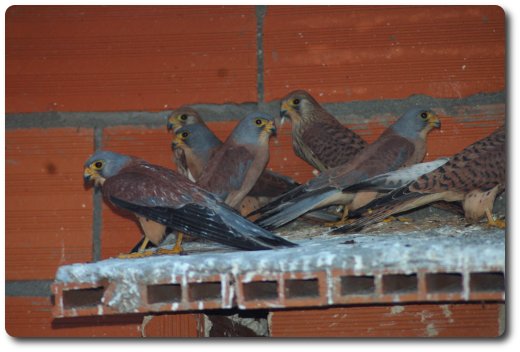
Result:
pixel 401 145
pixel 161 198
pixel 185 115
pixel 318 137
pixel 236 166
pixel 474 176
pixel 199 145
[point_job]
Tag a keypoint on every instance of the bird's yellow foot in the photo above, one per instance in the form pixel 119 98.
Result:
pixel 165 251
pixel 177 249
pixel 399 218
pixel 492 222
pixel 501 224
pixel 344 220
pixel 133 255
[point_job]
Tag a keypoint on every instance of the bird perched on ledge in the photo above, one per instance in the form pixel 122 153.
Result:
pixel 196 144
pixel 318 138
pixel 162 198
pixel 235 167
pixel 402 144
pixel 475 176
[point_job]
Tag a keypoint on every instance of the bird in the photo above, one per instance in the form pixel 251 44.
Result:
pixel 161 198
pixel 198 144
pixel 474 176
pixel 400 145
pixel 318 137
pixel 236 166
pixel 202 143
pixel 185 115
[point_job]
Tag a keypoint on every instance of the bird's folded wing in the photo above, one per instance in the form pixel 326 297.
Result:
pixel 396 179
pixel 217 225
pixel 331 143
pixel 226 170
pixel 271 184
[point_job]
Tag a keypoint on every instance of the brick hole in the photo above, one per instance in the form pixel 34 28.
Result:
pixel 301 288
pixel 167 293
pixel 88 297
pixel 259 290
pixel 486 282
pixel 399 283
pixel 204 291
pixel 357 285
pixel 443 283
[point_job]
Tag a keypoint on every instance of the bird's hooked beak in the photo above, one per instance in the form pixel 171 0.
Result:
pixel 284 108
pixel 434 121
pixel 87 174
pixel 90 175
pixel 172 124
pixel 270 127
pixel 176 142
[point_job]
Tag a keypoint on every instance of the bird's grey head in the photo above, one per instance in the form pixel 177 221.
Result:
pixel 295 104
pixel 196 137
pixel 255 128
pixel 416 122
pixel 104 164
pixel 182 117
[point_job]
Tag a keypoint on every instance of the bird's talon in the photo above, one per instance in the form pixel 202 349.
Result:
pixel 501 224
pixel 135 255
pixel 173 251
pixel 389 219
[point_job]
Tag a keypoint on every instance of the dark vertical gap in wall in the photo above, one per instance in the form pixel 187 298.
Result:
pixel 97 220
pixel 260 14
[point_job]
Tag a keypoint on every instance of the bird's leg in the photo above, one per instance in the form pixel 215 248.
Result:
pixel 143 245
pixel 501 224
pixel 142 252
pixel 344 219
pixel 177 249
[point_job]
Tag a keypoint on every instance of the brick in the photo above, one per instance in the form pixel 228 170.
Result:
pixel 410 320
pixel 120 58
pixel 48 212
pixel 173 325
pixel 31 317
pixel 343 53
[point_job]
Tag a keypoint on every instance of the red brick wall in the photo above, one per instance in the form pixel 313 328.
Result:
pixel 149 58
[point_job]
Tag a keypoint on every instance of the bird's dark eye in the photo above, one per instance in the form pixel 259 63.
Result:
pixel 185 134
pixel 98 165
pixel 184 117
pixel 296 101
pixel 258 122
pixel 424 115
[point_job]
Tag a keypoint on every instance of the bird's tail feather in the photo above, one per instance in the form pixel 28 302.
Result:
pixel 294 209
pixel 278 201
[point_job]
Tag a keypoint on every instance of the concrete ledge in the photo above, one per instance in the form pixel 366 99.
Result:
pixel 435 265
